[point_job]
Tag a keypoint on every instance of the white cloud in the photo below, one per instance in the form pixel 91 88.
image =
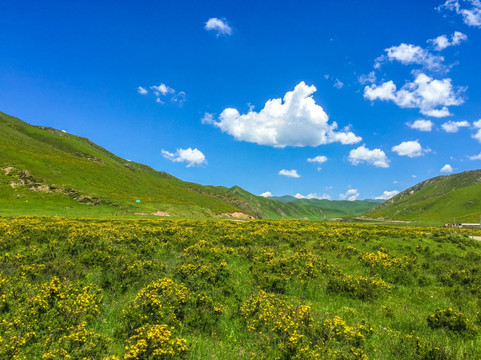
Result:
pixel 387 195
pixel 477 136
pixel 408 54
pixel 178 98
pixel 453 126
pixel 457 38
pixel 218 25
pixel 410 149
pixel 313 196
pixel 375 157
pixel 471 16
pixel 475 157
pixel 318 159
pixel 290 173
pixel 432 97
pixel 338 84
pixel 161 89
pixel 421 125
pixel 446 169
pixel 295 120
pixel 442 42
pixel 142 91
pixel 266 194
pixel 191 156
pixel 369 78
pixel 208 119
pixel 351 195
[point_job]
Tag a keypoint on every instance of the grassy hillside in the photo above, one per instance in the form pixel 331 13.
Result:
pixel 44 171
pixel 49 171
pixel 438 200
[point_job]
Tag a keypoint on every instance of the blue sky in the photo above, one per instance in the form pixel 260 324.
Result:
pixel 334 99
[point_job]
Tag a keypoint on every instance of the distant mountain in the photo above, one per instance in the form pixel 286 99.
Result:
pixel 45 171
pixel 332 208
pixel 438 200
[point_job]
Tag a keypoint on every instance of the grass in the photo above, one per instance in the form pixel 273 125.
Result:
pixel 439 200
pixel 259 289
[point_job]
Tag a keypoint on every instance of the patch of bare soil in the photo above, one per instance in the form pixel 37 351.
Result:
pixel 236 215
pixel 157 213
pixel 161 213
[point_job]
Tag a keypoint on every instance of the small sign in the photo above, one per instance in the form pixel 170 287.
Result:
pixel 137 201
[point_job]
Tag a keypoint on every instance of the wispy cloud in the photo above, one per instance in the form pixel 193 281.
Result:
pixel 470 10
pixel 454 126
pixel 164 93
pixel 289 173
pixel 142 91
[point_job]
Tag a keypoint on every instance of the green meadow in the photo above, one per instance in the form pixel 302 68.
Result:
pixel 79 288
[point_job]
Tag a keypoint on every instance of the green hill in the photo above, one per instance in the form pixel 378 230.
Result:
pixel 44 171
pixel 438 200
pixel 332 208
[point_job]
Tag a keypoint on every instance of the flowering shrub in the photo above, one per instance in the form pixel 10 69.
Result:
pixel 450 319
pixel 154 342
pixel 362 287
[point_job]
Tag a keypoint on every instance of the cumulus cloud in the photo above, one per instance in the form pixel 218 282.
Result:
pixel 421 125
pixel 350 195
pixel 442 42
pixel 454 126
pixel 431 96
pixel 408 54
pixel 313 196
pixel 446 169
pixel 318 159
pixel 219 26
pixel 470 10
pixel 387 195
pixel 289 173
pixel 375 157
pixel 191 156
pixel 295 120
pixel 142 91
pixel 266 194
pixel 410 149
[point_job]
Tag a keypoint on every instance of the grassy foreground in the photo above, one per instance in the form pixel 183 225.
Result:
pixel 186 289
